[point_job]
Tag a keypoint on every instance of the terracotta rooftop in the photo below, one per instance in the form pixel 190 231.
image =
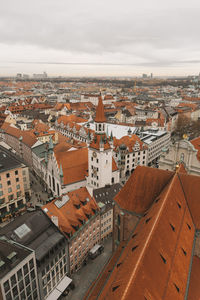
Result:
pixel 156 261
pixel 74 164
pixel 95 143
pixel 70 216
pixel 100 116
pixel 141 188
pixel 129 141
pixel 196 143
pixel 194 290
pixel 71 118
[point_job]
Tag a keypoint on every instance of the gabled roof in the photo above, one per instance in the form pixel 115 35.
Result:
pixel 155 263
pixel 196 143
pixel 74 164
pixel 100 116
pixel 141 188
pixel 95 143
pixel 68 215
pixel 194 291
pixel 129 141
pixel 71 118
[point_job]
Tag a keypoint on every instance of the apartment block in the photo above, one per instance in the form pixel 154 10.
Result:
pixel 37 232
pixel 18 274
pixel 14 185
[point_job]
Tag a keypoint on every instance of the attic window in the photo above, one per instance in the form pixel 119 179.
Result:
pixel 164 260
pixel 179 205
pixel 189 226
pixel 77 206
pixel 119 264
pixel 157 200
pixel 145 214
pixel 75 227
pixel 134 235
pixel 172 227
pixel 177 288
pixel 147 220
pixel 133 249
pixel 185 253
pixel 115 287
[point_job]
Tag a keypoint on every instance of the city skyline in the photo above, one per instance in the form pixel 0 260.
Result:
pixel 100 38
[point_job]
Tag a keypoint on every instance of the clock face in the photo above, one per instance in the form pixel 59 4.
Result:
pixel 94 154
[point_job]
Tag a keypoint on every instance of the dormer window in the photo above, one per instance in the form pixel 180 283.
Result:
pixel 77 206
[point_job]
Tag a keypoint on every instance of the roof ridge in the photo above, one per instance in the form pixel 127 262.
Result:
pixel 186 198
pixel 149 237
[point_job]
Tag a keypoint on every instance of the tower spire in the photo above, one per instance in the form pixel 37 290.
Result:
pixel 100 115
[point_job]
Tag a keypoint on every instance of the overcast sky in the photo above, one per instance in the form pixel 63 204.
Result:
pixel 100 37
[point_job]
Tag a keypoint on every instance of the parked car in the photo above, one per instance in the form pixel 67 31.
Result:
pixel 95 251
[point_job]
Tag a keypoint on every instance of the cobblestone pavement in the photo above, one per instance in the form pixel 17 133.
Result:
pixel 87 274
pixel 39 196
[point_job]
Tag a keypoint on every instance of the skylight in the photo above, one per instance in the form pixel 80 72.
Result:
pixel 22 230
pixel 60 203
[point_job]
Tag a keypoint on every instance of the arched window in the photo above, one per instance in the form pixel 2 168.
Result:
pixel 58 189
pixel 53 184
pixel 182 157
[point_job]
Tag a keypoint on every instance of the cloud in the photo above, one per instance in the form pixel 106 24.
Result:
pixel 148 33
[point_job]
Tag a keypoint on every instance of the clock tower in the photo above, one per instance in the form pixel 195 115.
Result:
pixel 100 150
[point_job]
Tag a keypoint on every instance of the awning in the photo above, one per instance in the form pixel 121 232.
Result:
pixel 59 289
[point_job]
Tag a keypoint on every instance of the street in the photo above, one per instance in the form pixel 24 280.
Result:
pixel 38 196
pixel 87 274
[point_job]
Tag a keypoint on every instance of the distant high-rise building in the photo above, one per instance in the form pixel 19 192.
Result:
pixel 151 75
pixel 144 76
pixel 25 76
pixel 40 76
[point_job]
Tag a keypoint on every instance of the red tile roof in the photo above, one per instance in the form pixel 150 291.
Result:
pixel 194 290
pixel 71 118
pixel 196 143
pixel 95 143
pixel 129 141
pixel 156 261
pixel 141 188
pixel 70 216
pixel 100 116
pixel 74 164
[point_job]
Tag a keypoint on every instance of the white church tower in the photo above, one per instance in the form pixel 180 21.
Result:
pixel 100 150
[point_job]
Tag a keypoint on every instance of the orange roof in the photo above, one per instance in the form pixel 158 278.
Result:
pixel 100 116
pixel 95 143
pixel 196 143
pixel 191 184
pixel 141 188
pixel 160 122
pixel 114 165
pixel 74 164
pixel 129 141
pixel 68 215
pixel 70 118
pixel 194 291
pixel 28 137
pixel 156 261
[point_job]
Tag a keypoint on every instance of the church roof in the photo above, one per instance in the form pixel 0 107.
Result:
pixel 155 263
pixel 141 189
pixel 100 116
